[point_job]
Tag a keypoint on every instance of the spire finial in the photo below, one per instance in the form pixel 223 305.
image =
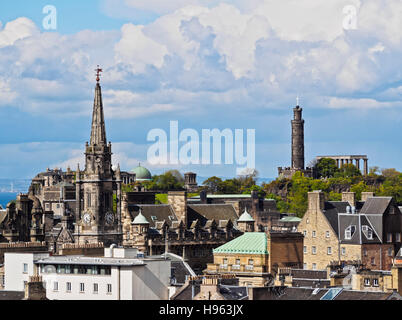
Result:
pixel 297 100
pixel 98 71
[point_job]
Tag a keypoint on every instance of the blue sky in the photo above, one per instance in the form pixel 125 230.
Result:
pixel 207 64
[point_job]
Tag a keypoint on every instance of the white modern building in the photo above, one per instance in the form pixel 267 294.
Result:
pixel 121 274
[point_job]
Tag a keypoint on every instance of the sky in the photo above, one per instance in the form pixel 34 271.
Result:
pixel 207 64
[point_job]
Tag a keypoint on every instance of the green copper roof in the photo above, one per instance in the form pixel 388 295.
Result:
pixel 290 219
pixel 142 173
pixel 248 243
pixel 140 219
pixel 245 217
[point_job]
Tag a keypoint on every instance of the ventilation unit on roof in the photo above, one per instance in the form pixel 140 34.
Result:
pixel 348 209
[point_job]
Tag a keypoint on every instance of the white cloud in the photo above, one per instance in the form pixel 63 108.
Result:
pixel 18 29
pixel 138 50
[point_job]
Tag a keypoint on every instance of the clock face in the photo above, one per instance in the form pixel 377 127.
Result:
pixel 109 218
pixel 87 218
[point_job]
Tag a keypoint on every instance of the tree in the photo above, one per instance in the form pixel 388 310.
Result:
pixel 212 184
pixel 326 168
pixel 348 171
pixel 390 173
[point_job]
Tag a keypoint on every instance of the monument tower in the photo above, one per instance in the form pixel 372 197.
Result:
pixel 96 185
pixel 297 161
pixel 297 139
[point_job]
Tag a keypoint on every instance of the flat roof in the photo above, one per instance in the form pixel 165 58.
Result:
pixel 82 260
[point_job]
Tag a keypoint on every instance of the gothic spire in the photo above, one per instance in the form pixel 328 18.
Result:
pixel 98 132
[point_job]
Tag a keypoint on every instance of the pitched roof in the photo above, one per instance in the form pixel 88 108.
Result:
pixel 376 205
pixel 159 212
pixel 248 243
pixel 205 212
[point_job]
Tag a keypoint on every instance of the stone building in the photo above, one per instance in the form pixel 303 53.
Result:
pixel 297 161
pixel 190 182
pixel 341 160
pixel 72 206
pixel 367 232
pixel 263 211
pixel 256 257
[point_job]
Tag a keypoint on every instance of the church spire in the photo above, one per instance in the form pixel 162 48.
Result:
pixel 98 132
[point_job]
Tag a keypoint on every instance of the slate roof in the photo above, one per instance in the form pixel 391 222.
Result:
pixel 12 295
pixel 160 211
pixel 293 293
pixel 376 205
pixel 248 243
pixel 205 212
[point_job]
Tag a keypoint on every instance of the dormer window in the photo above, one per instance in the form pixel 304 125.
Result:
pixel 368 232
pixel 349 231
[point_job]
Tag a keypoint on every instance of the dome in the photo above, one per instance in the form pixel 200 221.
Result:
pixel 140 219
pixel 245 217
pixel 142 174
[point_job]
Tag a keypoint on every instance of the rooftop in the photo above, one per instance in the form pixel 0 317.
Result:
pixel 82 260
pixel 248 243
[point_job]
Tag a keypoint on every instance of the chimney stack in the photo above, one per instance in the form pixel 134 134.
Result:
pixel 178 201
pixel 349 197
pixel 366 195
pixel 316 200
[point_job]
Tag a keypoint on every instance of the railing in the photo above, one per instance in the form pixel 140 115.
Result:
pixel 249 267
pixel 235 267
pixel 223 266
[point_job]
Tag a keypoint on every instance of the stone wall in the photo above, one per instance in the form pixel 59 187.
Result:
pixel 178 201
pixel 315 221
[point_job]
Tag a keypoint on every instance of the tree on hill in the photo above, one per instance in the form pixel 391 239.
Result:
pixel 326 168
pixel 348 171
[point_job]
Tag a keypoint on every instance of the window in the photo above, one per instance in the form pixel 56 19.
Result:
pixel 313 234
pixel 96 288
pixel 82 287
pixel 397 237
pixel 25 268
pixel 329 250
pixel 304 266
pixel 343 251
pixel 375 282
pixel 58 206
pixel 237 261
pixel 55 286
pixel 373 261
pixel 367 282
pixel 313 250
pixel 314 266
pixel 365 252
pixel 109 288
pixel 225 261
pixel 251 262
pixel 390 252
pixel 349 231
pixel 369 234
pixel 305 233
pixel 389 237
pixel 327 234
pixel 305 249
pixel 68 286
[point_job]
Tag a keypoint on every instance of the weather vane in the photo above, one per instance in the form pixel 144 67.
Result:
pixel 98 71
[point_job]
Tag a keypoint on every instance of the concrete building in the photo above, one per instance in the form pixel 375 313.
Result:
pixel 121 274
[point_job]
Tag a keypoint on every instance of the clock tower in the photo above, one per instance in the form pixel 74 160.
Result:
pixel 97 219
